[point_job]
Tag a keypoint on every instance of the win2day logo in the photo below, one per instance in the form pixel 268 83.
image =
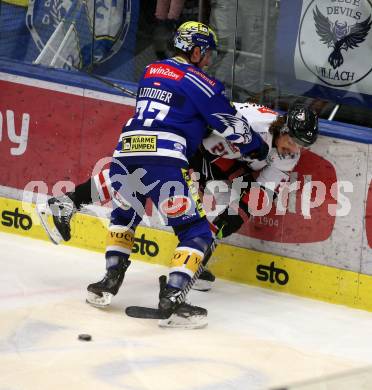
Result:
pixel 272 274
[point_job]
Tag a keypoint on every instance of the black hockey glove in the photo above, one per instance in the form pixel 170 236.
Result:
pixel 257 154
pixel 227 224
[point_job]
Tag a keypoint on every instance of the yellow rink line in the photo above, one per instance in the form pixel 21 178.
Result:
pixel 228 262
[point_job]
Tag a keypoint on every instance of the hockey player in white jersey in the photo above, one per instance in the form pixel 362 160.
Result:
pixel 286 135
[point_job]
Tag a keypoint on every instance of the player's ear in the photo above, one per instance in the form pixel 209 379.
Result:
pixel 196 55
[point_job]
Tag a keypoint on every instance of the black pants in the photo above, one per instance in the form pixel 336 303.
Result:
pixel 211 167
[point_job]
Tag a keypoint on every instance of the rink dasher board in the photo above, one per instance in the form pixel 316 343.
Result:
pixel 341 242
pixel 279 273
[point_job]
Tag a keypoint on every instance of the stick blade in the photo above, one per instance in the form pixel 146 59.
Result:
pixel 144 312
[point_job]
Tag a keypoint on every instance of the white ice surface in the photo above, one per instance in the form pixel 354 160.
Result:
pixel 256 338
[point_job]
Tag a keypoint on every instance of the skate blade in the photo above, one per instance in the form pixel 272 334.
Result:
pixel 43 211
pixel 192 322
pixel 97 301
pixel 202 285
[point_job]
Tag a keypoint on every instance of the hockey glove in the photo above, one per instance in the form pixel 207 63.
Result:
pixel 257 154
pixel 227 224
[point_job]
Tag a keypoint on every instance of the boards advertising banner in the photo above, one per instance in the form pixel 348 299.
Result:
pixel 293 224
pixel 48 135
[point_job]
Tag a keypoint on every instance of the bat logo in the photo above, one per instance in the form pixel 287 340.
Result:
pixel 340 36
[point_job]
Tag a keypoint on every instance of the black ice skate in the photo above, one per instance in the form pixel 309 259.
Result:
pixel 186 316
pixel 204 282
pixel 101 293
pixel 172 312
pixel 62 209
pixel 179 315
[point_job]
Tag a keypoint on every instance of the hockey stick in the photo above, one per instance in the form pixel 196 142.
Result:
pixel 107 82
pixel 104 81
pixel 152 313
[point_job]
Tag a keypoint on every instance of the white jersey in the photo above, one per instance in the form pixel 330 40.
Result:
pixel 275 168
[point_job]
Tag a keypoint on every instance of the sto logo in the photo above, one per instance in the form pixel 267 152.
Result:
pixel 272 274
pixel 16 219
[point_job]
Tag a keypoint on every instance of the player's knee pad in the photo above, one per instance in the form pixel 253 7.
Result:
pixel 119 241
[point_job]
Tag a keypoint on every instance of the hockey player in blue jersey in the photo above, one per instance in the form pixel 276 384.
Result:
pixel 217 159
pixel 176 102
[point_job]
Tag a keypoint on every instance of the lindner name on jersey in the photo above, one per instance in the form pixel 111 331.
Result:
pixel 155 93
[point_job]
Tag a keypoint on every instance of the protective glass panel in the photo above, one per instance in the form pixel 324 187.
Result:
pixel 275 52
pixel 315 52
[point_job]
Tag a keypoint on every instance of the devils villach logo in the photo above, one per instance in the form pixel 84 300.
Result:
pixel 339 35
pixel 334 42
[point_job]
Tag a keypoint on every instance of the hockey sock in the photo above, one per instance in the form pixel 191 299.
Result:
pixel 113 262
pixel 178 280
pixel 85 193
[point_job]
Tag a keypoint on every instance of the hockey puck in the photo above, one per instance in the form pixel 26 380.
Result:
pixel 85 337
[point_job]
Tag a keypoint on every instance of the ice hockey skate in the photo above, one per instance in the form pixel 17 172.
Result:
pixel 100 293
pixel 186 316
pixel 179 315
pixel 204 281
pixel 170 312
pixel 61 209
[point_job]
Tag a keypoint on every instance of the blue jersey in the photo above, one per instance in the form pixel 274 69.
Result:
pixel 176 102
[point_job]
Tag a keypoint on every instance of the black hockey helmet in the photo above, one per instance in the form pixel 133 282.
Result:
pixel 302 125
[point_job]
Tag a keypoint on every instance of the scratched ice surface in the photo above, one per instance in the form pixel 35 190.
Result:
pixel 256 338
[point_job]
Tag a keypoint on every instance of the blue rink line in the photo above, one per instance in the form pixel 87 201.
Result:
pixel 79 79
